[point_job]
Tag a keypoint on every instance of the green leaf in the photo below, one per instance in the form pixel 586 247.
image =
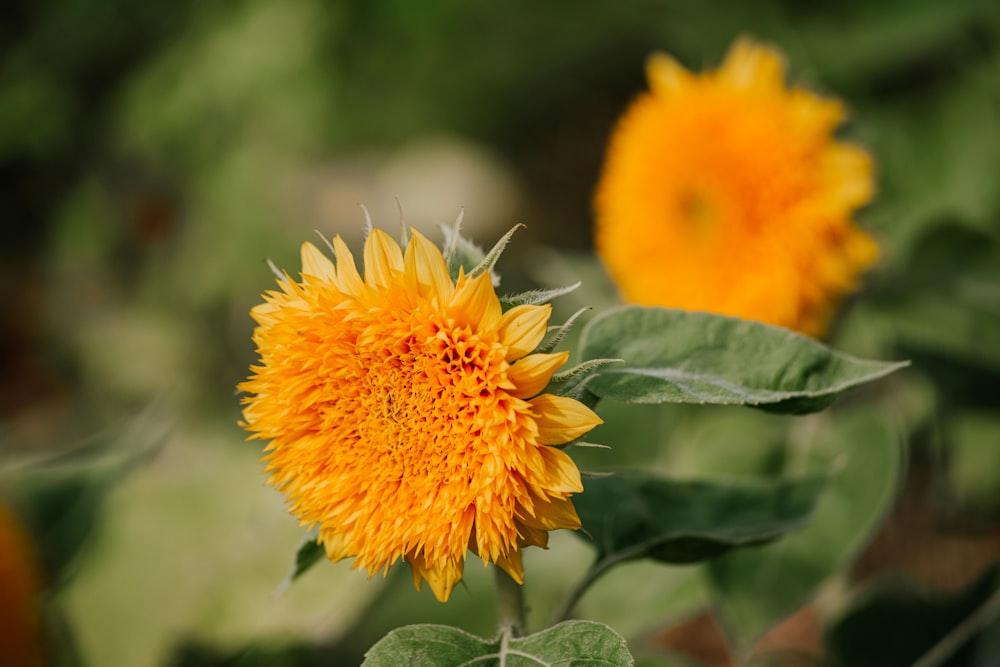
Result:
pixel 310 552
pixel 576 643
pixel 675 356
pixel 637 515
pixel 754 589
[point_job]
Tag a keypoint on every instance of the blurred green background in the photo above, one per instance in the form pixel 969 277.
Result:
pixel 154 155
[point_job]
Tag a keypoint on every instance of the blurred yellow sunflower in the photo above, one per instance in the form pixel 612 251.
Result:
pixel 726 192
pixel 405 412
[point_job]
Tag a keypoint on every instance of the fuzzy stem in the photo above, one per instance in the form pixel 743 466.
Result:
pixel 510 603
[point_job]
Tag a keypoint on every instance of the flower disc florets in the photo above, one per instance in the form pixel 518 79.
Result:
pixel 405 415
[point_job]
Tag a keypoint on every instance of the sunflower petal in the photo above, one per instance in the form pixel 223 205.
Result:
pixel 532 536
pixel 532 373
pixel 315 263
pixel 523 328
pixel 348 279
pixel 335 546
pixel 562 474
pixel 666 75
pixel 424 261
pixel 511 564
pixel 442 580
pixel 752 65
pixel 382 258
pixel 561 419
pixel 554 514
pixel 851 169
pixel 475 302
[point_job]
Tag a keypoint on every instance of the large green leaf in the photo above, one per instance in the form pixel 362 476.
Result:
pixel 577 643
pixel 676 356
pixel 638 515
pixel 754 589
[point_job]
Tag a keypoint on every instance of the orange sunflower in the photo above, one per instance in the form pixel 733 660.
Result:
pixel 726 192
pixel 405 414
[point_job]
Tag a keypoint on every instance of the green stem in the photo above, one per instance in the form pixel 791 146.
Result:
pixel 510 603
pixel 566 610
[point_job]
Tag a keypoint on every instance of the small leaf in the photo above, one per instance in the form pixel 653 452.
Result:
pixel 676 356
pixel 310 552
pixel 637 515
pixel 583 643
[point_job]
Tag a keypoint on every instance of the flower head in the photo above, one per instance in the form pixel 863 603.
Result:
pixel 405 412
pixel 726 192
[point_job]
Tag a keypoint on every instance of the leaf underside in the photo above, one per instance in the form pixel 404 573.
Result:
pixel 677 356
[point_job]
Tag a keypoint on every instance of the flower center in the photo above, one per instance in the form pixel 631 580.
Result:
pixel 698 209
pixel 427 390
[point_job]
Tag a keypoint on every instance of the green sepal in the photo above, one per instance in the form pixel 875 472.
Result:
pixel 556 334
pixel 487 263
pixel 458 251
pixel 535 297
pixel 573 382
